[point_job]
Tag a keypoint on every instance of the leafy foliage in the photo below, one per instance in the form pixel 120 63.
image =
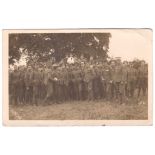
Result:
pixel 43 46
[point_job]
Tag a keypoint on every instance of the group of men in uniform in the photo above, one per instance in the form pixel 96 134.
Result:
pixel 77 81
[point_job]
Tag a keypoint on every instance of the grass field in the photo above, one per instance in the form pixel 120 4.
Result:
pixel 100 110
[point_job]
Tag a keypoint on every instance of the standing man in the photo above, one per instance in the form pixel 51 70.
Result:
pixel 36 85
pixel 89 83
pixel 21 85
pixel 56 85
pixel 142 80
pixel 28 79
pixel 105 80
pixel 118 80
pixel 15 83
pixel 124 82
pixel 49 84
pixel 132 78
pixel 111 84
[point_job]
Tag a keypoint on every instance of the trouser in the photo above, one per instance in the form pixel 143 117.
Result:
pixel 122 89
pixel 76 90
pixel 126 90
pixel 61 92
pixel 49 89
pixel 28 94
pixel 95 89
pixel 131 88
pixel 71 90
pixel 142 85
pixel 57 92
pixel 104 85
pixel 36 93
pixel 10 94
pixel 15 93
pixel 110 90
pixel 80 90
pixel 21 93
pixel 90 90
pixel 84 90
pixel 119 91
pixel 65 92
pixel 42 91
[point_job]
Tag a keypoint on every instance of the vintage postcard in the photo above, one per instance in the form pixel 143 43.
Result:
pixel 77 77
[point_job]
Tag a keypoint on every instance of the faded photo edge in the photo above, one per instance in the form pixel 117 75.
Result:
pixel 5 112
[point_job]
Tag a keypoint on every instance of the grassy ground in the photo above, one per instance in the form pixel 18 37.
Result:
pixel 100 110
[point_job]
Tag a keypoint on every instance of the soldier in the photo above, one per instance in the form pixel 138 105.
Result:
pixel 21 85
pixel 124 82
pixel 28 80
pixel 77 77
pixel 111 85
pixel 49 84
pixel 125 73
pixel 89 76
pixel 57 84
pixel 66 82
pixel 84 81
pixel 91 60
pixel 82 85
pixel 80 80
pixel 117 78
pixel 101 80
pixel 142 79
pixel 97 84
pixel 71 83
pixel 15 80
pixel 42 90
pixel 132 78
pixel 105 77
pixel 36 85
pixel 60 74
pixel 11 86
pixel 83 59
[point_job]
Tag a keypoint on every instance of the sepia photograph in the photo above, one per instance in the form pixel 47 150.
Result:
pixel 77 77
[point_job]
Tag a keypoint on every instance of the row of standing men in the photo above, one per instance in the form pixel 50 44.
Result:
pixel 74 82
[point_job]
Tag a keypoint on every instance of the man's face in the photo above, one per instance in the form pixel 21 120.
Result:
pixel 125 64
pixel 112 63
pixel 29 68
pixel 15 68
pixel 118 62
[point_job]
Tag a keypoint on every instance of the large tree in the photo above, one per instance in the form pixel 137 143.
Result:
pixel 43 46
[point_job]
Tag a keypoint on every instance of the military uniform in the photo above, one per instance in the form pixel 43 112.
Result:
pixel 21 86
pixel 42 89
pixel 106 76
pixel 36 86
pixel 124 84
pixel 11 87
pixel 16 86
pixel 28 80
pixel 57 83
pixel 132 78
pixel 89 76
pixel 97 84
pixel 111 84
pixel 80 82
pixel 142 79
pixel 49 85
pixel 66 83
pixel 117 79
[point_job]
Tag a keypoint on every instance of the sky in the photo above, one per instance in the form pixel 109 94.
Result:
pixel 131 44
